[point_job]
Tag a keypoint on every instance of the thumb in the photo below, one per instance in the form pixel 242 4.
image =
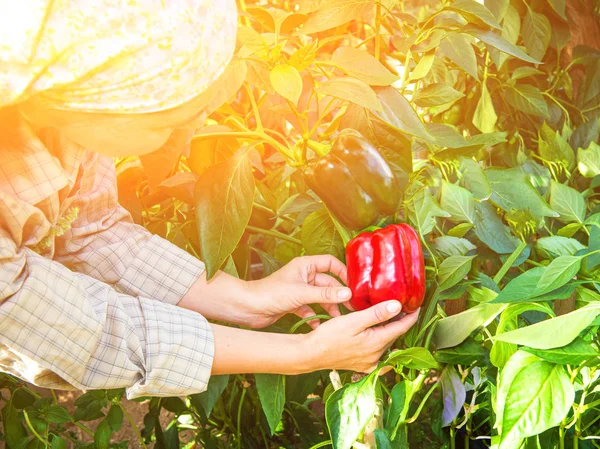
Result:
pixel 325 295
pixel 379 313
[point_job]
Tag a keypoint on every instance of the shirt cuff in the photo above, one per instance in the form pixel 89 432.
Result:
pixel 179 351
pixel 161 271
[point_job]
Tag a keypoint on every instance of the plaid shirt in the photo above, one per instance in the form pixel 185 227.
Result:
pixel 94 307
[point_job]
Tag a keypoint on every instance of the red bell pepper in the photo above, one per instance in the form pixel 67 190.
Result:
pixel 386 264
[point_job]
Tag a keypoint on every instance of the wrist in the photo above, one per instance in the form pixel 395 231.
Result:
pixel 310 356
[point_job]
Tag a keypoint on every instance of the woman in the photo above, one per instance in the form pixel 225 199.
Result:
pixel 88 299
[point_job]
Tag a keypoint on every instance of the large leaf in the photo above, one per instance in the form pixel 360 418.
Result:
pixel 560 271
pixel 492 231
pixel 360 64
pixel 320 236
pixel 575 353
pixel 485 116
pixel 567 202
pixel 271 391
pixel 454 394
pixel 563 329
pixel 413 358
pixel 539 398
pixel 224 194
pixel 536 33
pixel 559 6
pixel 453 270
pixel 500 43
pixel 475 12
pixel 466 353
pixel 333 13
pixel 559 246
pixel 455 329
pixel 397 111
pixel 475 179
pixel 512 190
pixel 453 246
pixel 459 50
pixel 424 211
pixel 528 99
pixel 207 399
pixel 523 288
pixel 349 409
pixel 458 201
pixel 436 94
pixel 588 160
pixel 352 90
pixel 287 82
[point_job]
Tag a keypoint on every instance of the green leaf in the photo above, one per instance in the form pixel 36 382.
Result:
pixel 454 394
pixel 320 236
pixel 455 329
pixel 539 398
pixel 453 270
pixel 397 111
pixel 102 435
pixel 435 95
pixel 458 201
pixel 334 13
pixel 412 358
pixel 424 211
pixel 474 179
pixel 13 429
pixel 523 288
pixel 563 329
pixel 224 195
pixel 466 353
pixel 349 409
pixel 497 7
pixel 554 147
pixel 492 231
pixel 500 43
pixel 271 391
pixel 360 64
pixel 536 33
pixel 525 72
pixel 270 264
pixel 485 117
pixel 57 414
pixel 422 68
pixel 58 443
pixel 352 90
pixel 287 82
pixel 460 230
pixel 559 6
pixel 207 399
pixel 513 191
pixel 567 202
pixel 588 160
pixel 459 50
pixel 560 271
pixel 575 353
pixel 475 12
pixel 115 417
pixel 594 242
pixel 528 99
pixel 559 246
pixel 453 246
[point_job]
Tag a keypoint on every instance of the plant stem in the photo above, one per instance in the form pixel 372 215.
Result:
pixel 133 426
pixel 509 262
pixel 377 30
pixel 239 417
pixel 276 234
pixel 37 435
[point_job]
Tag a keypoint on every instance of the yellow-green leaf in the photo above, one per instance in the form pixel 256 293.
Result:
pixel 360 64
pixel 352 90
pixel 287 82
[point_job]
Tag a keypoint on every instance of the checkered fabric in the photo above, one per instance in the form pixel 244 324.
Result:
pixel 91 303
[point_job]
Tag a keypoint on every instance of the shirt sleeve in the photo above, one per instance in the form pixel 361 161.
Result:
pixel 104 243
pixel 53 320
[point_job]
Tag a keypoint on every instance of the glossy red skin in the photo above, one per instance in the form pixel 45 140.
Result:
pixel 386 264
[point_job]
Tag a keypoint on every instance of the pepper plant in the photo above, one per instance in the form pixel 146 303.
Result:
pixel 484 119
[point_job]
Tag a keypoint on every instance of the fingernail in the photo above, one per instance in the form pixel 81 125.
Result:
pixel 394 307
pixel 344 293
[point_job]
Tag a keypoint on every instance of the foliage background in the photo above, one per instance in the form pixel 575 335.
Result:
pixel 488 115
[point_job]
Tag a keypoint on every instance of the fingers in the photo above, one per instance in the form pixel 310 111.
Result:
pixel 311 294
pixel 394 329
pixel 326 263
pixel 377 314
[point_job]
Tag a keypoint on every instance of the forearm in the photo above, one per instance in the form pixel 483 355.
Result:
pixel 240 351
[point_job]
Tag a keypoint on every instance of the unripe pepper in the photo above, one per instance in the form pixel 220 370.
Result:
pixel 386 264
pixel 354 181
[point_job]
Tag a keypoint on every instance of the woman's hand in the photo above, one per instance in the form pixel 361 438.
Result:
pixel 351 342
pixel 258 304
